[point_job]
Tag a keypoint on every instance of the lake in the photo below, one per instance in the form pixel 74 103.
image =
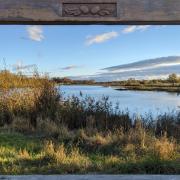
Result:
pixel 137 102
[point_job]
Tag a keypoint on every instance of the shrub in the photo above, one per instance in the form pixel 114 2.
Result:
pixel 164 149
pixel 69 160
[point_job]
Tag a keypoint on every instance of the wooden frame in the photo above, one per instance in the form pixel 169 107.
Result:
pixel 90 12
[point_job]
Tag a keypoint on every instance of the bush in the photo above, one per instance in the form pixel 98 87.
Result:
pixel 164 149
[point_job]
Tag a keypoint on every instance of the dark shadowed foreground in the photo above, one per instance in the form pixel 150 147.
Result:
pixel 93 177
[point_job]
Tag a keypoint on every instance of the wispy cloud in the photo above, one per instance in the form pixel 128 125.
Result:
pixel 147 64
pixel 100 38
pixel 155 66
pixel 131 29
pixel 20 66
pixel 70 67
pixel 35 33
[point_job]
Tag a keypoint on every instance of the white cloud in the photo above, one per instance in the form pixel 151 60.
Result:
pixel 35 33
pixel 101 38
pixel 131 29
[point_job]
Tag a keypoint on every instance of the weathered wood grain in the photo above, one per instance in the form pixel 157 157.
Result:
pixel 89 11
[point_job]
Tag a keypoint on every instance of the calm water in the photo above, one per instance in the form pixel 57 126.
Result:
pixel 140 102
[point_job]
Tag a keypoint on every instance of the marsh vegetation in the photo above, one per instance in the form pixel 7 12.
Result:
pixel 42 133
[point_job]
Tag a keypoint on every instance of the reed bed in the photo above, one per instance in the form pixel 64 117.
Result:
pixel 45 134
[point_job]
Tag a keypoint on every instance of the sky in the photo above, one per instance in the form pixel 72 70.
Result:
pixel 84 50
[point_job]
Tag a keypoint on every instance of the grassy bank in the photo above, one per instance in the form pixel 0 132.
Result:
pixel 168 88
pixel 42 134
pixel 81 152
pixel 171 84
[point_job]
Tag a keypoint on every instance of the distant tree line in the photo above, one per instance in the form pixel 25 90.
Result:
pixel 68 81
pixel 172 79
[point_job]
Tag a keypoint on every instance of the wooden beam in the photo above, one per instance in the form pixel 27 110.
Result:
pixel 89 11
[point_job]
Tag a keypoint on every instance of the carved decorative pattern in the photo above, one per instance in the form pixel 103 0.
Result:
pixel 90 10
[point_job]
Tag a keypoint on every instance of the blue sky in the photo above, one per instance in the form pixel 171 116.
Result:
pixel 84 50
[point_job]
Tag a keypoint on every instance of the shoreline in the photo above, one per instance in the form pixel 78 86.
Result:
pixel 157 89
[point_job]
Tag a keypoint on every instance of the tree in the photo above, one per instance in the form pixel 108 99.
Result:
pixel 173 78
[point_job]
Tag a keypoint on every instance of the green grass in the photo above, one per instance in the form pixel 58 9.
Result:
pixel 18 141
pixel 20 154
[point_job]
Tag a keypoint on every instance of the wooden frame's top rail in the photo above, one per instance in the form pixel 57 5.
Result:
pixel 90 12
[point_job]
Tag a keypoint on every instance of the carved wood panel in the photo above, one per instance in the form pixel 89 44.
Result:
pixel 90 10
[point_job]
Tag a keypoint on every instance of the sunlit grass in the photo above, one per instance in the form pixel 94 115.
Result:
pixel 35 155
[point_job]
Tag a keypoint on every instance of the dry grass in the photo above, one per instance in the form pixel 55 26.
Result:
pixel 72 159
pixel 24 155
pixel 164 148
